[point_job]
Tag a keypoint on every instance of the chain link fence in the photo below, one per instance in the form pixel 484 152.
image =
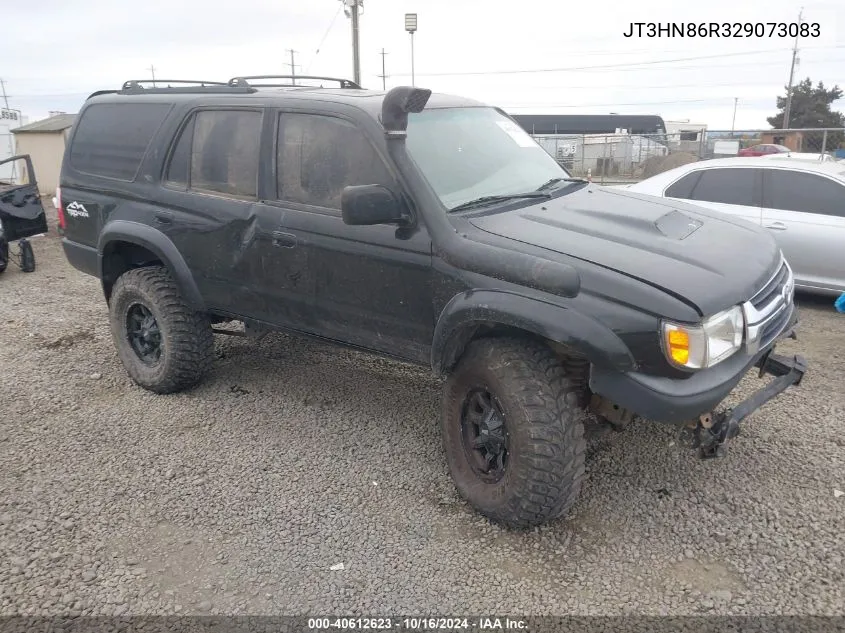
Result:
pixel 623 158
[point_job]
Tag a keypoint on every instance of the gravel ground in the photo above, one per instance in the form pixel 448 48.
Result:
pixel 292 457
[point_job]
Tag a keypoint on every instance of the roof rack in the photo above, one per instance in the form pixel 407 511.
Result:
pixel 246 81
pixel 137 84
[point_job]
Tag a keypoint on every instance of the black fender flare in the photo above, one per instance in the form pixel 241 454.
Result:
pixel 158 243
pixel 465 312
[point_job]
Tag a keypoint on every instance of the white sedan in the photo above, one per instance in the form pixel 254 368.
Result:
pixel 819 158
pixel 801 202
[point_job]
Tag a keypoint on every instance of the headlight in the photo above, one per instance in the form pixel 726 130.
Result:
pixel 700 346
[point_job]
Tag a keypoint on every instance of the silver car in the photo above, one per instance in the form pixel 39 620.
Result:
pixel 802 203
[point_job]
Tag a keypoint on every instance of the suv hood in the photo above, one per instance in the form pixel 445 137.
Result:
pixel 708 259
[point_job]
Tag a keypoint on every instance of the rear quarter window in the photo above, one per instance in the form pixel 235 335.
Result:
pixel 726 185
pixel 111 139
pixel 683 188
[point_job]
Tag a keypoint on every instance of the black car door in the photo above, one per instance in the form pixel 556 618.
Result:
pixel 212 211
pixel 21 211
pixel 365 285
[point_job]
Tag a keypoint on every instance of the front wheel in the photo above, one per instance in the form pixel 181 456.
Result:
pixel 513 431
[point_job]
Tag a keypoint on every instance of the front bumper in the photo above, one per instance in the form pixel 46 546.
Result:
pixel 680 401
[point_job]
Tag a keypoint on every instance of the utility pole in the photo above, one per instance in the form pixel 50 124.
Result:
pixel 356 55
pixel 350 8
pixel 152 70
pixel 733 121
pixel 786 110
pixel 5 98
pixel 383 74
pixel 292 65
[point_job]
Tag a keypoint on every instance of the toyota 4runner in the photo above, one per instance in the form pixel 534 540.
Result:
pixel 432 229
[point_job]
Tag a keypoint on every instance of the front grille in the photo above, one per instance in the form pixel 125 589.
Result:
pixel 767 312
pixel 771 289
pixel 774 327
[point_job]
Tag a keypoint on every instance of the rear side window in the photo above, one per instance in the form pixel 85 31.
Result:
pixel 728 186
pixel 111 139
pixel 218 151
pixel 320 155
pixel 796 191
pixel 683 187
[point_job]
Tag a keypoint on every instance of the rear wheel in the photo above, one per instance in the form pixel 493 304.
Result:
pixel 4 254
pixel 164 344
pixel 512 424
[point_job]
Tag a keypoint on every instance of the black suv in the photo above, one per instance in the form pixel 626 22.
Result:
pixel 432 229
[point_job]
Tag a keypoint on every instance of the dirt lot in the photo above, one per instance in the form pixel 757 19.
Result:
pixel 292 457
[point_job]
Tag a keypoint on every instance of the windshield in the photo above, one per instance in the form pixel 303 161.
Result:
pixel 468 153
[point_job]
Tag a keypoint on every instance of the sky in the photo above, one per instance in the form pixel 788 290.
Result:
pixel 532 56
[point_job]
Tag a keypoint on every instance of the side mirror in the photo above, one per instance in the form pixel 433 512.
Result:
pixel 371 204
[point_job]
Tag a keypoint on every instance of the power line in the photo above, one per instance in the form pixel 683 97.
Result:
pixel 603 66
pixel 323 39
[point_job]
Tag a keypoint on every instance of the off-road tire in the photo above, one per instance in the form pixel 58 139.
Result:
pixel 186 336
pixel 544 420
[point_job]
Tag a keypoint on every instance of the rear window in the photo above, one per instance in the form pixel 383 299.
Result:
pixel 112 139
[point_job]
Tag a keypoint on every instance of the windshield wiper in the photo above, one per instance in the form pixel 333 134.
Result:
pixel 483 200
pixel 554 181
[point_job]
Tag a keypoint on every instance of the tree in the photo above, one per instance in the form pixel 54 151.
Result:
pixel 811 109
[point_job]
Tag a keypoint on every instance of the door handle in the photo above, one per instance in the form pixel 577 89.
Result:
pixel 163 217
pixel 284 240
pixel 776 226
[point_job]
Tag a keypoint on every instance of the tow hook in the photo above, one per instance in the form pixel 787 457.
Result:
pixel 714 430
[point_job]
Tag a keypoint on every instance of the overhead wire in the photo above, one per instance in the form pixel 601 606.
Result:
pixel 626 65
pixel 323 40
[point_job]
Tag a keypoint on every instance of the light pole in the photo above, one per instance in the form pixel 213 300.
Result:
pixel 411 27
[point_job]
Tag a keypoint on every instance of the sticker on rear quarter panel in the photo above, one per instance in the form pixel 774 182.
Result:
pixel 77 210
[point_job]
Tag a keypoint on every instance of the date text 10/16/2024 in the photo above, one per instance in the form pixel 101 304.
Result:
pixel 418 624
pixel 723 29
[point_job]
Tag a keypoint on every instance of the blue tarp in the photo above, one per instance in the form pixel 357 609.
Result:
pixel 839 304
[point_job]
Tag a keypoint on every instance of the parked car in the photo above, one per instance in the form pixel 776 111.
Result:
pixel 21 214
pixel 819 158
pixel 432 229
pixel 802 203
pixel 763 149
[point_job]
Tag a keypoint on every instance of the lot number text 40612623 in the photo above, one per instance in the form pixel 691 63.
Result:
pixel 723 29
